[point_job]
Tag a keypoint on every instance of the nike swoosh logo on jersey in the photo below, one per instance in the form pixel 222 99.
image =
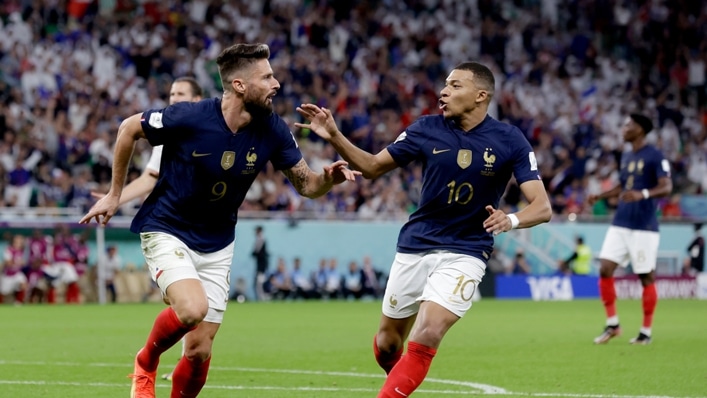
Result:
pixel 198 155
pixel 435 151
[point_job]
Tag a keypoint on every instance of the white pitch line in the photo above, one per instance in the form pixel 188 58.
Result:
pixel 480 389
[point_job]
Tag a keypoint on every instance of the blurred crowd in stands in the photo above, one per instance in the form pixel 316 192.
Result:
pixel 568 73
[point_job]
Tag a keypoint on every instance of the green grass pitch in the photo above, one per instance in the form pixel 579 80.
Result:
pixel 323 349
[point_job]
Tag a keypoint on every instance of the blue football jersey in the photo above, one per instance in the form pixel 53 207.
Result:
pixel 206 170
pixel 463 172
pixel 640 170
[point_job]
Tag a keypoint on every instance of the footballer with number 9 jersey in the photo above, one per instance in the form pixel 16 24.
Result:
pixel 212 153
pixel 468 159
pixel 633 235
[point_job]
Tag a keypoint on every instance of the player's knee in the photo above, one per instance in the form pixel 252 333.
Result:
pixel 191 314
pixel 199 353
pixel 389 342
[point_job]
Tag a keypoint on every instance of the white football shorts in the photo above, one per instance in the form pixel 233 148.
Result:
pixel 61 272
pixel 637 247
pixel 448 279
pixel 12 283
pixel 170 260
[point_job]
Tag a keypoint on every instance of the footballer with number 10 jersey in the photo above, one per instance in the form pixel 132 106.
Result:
pixel 462 173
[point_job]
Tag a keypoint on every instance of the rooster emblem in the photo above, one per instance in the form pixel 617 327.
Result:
pixel 251 157
pixel 489 158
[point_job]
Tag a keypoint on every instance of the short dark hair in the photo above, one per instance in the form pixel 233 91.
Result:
pixel 482 75
pixel 642 121
pixel 238 57
pixel 196 90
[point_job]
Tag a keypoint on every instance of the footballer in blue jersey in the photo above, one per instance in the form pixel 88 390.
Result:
pixel 633 235
pixel 212 152
pixel 468 159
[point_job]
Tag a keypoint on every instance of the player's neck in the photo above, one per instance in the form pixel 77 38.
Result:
pixel 234 112
pixel 637 144
pixel 472 119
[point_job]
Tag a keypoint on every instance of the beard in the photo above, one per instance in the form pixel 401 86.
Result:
pixel 258 108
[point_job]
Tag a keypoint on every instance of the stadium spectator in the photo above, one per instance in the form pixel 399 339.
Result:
pixel 302 284
pixel 633 235
pixel 262 258
pixel 112 265
pixel 519 265
pixel 187 230
pixel 13 280
pixel 468 159
pixel 567 78
pixel 352 284
pixel 695 260
pixel 580 261
pixel 280 281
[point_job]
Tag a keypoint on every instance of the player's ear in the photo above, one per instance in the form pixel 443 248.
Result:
pixel 238 86
pixel 482 96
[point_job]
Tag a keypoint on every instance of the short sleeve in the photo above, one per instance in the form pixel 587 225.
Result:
pixel 160 125
pixel 288 153
pixel 406 148
pixel 525 165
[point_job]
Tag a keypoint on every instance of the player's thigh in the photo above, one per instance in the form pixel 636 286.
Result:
pixel 168 260
pixel 616 245
pixel 453 282
pixel 643 251
pixel 214 270
pixel 406 281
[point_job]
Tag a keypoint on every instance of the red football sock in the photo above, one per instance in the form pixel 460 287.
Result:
pixel 650 301
pixel 20 296
pixel 189 377
pixel 51 295
pixel 166 332
pixel 607 291
pixel 409 373
pixel 386 361
pixel 72 292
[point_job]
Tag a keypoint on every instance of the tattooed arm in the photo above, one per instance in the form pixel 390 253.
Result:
pixel 313 185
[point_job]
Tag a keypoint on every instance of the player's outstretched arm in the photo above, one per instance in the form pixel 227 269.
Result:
pixel 129 132
pixel 536 212
pixel 611 193
pixel 664 188
pixel 321 121
pixel 137 188
pixel 313 185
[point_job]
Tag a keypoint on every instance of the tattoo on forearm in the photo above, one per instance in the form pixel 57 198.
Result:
pixel 298 176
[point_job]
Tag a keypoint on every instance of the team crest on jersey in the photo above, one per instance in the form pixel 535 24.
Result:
pixel 250 159
pixel 489 160
pixel 464 158
pixel 639 166
pixel 228 159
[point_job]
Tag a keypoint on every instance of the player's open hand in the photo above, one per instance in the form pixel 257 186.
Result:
pixel 102 211
pixel 321 121
pixel 591 199
pixel 497 222
pixel 338 172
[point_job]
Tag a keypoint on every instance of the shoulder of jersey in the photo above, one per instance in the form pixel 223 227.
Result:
pixel 430 121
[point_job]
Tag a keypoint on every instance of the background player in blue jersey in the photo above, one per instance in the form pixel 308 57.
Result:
pixel 212 152
pixel 468 159
pixel 633 235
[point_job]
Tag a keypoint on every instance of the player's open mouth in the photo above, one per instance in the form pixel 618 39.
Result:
pixel 442 106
